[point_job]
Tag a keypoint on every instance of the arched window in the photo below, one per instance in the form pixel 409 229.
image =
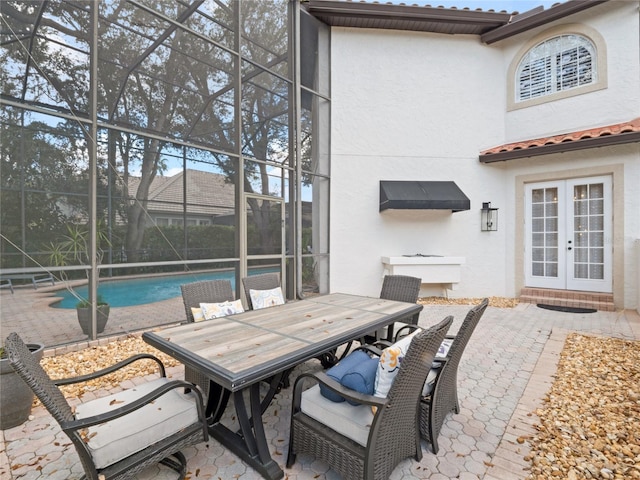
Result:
pixel 560 63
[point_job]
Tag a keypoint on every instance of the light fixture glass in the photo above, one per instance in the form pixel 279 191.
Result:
pixel 489 218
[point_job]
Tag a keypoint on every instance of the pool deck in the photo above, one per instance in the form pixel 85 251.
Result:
pixel 28 313
pixel 506 370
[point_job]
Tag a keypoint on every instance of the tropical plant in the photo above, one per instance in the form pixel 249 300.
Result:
pixel 74 246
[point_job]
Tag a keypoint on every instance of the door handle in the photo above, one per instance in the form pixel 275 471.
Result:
pixel 569 247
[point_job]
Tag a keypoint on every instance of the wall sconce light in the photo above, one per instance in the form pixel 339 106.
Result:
pixel 489 218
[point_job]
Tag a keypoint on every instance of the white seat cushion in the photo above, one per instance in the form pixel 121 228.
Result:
pixel 111 442
pixel 352 421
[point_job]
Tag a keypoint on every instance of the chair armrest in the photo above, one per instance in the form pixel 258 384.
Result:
pixel 411 328
pixel 347 393
pixel 111 369
pixel 136 405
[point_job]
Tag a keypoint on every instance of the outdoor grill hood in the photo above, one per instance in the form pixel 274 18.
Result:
pixel 416 195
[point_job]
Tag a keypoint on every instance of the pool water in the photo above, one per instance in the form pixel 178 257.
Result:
pixel 140 291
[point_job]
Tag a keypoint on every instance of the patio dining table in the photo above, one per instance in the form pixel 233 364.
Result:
pixel 239 351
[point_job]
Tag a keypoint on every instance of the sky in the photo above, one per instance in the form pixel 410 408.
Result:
pixel 497 5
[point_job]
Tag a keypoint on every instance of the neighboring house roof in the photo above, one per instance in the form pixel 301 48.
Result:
pixel 626 132
pixel 207 193
pixel 491 25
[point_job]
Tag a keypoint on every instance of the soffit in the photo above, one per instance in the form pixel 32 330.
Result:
pixel 619 133
pixel 405 17
pixel 491 25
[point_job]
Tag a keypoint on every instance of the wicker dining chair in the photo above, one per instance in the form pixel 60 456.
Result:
pixel 402 288
pixel 207 291
pixel 193 294
pixel 120 435
pixel 443 397
pixel 262 281
pixel 354 441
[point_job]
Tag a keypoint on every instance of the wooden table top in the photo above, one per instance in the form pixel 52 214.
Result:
pixel 238 350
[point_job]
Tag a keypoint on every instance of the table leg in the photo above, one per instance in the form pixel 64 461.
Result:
pixel 249 442
pixel 216 402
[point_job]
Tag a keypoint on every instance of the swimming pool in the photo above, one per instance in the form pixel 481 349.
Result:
pixel 140 291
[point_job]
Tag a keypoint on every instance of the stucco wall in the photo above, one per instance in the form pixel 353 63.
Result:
pixel 412 106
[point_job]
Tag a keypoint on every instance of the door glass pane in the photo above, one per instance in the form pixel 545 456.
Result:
pixel 596 191
pixel 537 225
pixel 596 255
pixel 580 270
pixel 581 255
pixel 596 222
pixel 537 195
pixel 596 271
pixel 537 210
pixel 596 207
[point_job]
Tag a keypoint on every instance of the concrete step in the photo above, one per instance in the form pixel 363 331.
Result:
pixel 568 298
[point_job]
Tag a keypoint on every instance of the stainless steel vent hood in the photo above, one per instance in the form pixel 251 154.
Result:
pixel 416 195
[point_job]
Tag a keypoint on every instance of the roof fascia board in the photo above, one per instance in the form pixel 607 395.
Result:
pixel 604 141
pixel 532 21
pixel 415 13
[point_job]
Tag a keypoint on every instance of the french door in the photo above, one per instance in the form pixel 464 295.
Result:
pixel 568 242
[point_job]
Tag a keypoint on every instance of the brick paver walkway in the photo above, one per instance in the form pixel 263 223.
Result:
pixel 506 369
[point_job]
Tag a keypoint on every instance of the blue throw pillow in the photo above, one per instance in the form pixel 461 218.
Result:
pixel 337 372
pixel 361 377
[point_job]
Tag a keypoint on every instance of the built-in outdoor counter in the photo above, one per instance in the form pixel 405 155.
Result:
pixel 430 268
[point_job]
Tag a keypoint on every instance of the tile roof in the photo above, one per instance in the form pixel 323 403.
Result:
pixel 625 132
pixel 207 193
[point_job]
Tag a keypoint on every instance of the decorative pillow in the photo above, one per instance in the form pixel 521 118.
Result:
pixel 389 364
pixel 222 309
pixel 198 316
pixel 338 371
pixel 361 377
pixel 266 298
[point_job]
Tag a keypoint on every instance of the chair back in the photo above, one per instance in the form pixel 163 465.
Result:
pixel 208 291
pixel 464 334
pixel 398 420
pixel 262 281
pixel 29 369
pixel 402 288
pixel 444 397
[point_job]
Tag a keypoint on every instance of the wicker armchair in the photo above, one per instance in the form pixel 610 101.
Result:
pixel 122 434
pixel 262 281
pixel 356 442
pixel 193 294
pixel 443 397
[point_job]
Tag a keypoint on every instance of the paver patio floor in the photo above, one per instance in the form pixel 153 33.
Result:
pixel 506 369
